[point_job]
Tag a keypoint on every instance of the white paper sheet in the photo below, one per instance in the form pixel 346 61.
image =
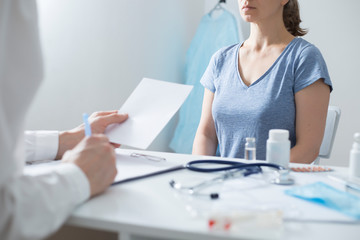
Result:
pixel 150 107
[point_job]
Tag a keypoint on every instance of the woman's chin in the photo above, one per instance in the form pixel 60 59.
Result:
pixel 248 18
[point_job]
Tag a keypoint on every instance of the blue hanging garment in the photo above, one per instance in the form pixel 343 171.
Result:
pixel 211 35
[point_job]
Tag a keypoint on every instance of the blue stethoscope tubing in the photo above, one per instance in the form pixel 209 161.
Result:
pixel 233 165
pixel 251 168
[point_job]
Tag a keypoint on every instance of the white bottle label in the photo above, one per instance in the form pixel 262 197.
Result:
pixel 354 166
pixel 278 153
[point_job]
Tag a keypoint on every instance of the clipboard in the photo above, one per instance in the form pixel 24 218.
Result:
pixel 132 168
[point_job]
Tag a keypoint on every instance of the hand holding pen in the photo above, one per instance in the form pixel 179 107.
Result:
pixel 94 155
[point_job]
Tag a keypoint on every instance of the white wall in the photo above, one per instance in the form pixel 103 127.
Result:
pixel 97 51
pixel 334 29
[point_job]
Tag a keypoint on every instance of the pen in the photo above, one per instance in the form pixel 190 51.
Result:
pixel 87 125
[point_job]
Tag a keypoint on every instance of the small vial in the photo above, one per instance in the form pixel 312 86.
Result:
pixel 250 149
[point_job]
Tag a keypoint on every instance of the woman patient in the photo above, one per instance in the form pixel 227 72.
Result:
pixel 273 80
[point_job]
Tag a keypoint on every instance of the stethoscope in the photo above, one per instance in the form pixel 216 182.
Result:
pixel 232 170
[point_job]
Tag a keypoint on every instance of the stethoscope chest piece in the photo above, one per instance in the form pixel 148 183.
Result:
pixel 282 178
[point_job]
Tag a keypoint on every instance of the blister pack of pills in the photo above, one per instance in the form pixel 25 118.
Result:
pixel 311 169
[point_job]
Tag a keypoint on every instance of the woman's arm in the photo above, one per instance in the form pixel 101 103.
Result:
pixel 205 141
pixel 311 111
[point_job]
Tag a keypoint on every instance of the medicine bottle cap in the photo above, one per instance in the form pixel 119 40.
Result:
pixel 278 134
pixel 356 144
pixel 357 137
pixel 250 139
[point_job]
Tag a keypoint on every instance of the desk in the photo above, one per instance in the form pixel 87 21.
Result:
pixel 149 208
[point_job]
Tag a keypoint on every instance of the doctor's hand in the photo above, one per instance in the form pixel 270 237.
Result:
pixel 95 156
pixel 98 122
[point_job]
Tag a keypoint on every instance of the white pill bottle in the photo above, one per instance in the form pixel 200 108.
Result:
pixel 354 167
pixel 278 147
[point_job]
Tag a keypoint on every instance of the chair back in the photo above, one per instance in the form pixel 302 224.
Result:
pixel 332 121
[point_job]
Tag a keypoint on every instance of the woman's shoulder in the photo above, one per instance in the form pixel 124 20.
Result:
pixel 225 55
pixel 302 47
pixel 227 51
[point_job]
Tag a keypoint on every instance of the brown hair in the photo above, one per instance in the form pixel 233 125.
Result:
pixel 291 17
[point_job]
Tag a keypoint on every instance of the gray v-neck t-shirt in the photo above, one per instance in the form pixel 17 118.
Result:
pixel 242 111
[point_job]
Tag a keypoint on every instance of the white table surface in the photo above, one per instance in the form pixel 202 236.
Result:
pixel 151 208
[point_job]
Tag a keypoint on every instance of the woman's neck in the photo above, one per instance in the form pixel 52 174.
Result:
pixel 266 33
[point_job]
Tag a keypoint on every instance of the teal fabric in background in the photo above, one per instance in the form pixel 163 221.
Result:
pixel 211 35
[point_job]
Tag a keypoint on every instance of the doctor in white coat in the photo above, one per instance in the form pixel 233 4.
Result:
pixel 32 207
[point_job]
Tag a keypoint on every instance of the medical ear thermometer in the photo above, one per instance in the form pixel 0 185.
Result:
pixel 87 125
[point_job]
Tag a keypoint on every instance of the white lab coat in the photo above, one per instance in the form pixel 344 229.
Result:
pixel 41 145
pixel 30 207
